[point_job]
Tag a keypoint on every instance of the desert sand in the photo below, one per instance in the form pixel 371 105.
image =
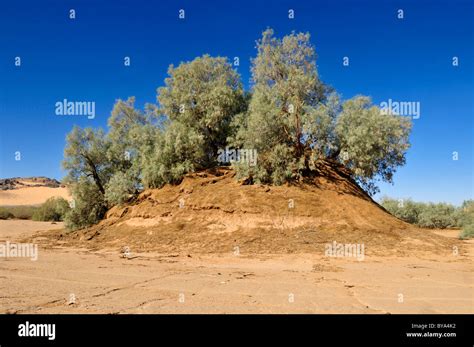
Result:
pixel 69 279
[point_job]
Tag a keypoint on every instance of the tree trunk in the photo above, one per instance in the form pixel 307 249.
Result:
pixel 95 175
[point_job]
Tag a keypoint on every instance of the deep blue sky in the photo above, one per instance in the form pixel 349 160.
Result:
pixel 82 60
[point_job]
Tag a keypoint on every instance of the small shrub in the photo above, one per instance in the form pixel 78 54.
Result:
pixel 407 210
pixel 467 220
pixel 17 212
pixel 466 213
pixel 426 215
pixel 467 232
pixel 440 216
pixel 54 209
pixel 5 214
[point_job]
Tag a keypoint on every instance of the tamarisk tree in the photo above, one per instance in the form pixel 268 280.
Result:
pixel 203 95
pixel 290 117
pixel 294 120
pixel 85 158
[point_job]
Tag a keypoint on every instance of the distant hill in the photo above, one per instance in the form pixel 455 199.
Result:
pixel 22 182
pixel 30 190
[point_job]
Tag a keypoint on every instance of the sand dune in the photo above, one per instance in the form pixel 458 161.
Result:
pixel 31 195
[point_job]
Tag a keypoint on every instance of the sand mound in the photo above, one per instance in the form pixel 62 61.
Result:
pixel 211 212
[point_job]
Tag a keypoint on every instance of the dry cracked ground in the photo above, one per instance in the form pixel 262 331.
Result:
pixel 65 279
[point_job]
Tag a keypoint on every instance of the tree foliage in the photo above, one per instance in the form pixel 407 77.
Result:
pixel 89 205
pixel 120 188
pixel 294 120
pixel 86 155
pixel 371 143
pixel 177 150
pixel 203 96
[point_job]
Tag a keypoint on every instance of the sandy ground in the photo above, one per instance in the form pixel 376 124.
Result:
pixel 31 195
pixel 74 280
